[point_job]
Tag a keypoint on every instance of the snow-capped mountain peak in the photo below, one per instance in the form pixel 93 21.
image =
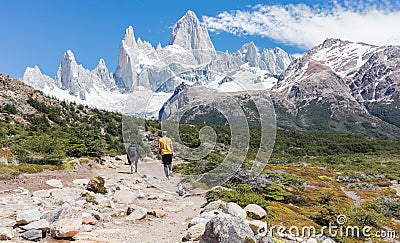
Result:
pixel 190 57
pixel 129 38
pixel 189 34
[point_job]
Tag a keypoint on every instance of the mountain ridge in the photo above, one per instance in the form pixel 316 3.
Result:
pixel 144 67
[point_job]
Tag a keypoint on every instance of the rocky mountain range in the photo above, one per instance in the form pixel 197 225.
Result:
pixel 336 86
pixel 145 71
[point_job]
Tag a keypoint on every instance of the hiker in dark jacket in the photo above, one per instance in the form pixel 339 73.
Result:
pixel 133 156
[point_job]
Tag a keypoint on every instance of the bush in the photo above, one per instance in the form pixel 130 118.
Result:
pixel 390 207
pixel 241 194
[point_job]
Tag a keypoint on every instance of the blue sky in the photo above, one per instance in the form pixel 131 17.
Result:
pixel 39 32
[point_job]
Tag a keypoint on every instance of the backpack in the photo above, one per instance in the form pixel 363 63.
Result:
pixel 133 152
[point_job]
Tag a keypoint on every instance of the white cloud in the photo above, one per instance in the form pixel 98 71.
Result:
pixel 306 26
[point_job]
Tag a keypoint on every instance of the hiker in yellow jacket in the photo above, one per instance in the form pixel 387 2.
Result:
pixel 166 150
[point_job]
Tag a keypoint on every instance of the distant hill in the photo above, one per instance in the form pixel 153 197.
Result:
pixel 35 128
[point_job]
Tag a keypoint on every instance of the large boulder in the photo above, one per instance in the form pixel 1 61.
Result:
pixel 6 234
pixel 225 228
pixel 27 216
pixel 66 223
pixel 254 211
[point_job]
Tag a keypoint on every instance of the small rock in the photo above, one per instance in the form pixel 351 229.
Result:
pixel 27 216
pixel 119 158
pixel 51 216
pixel 41 224
pixel 54 183
pixel 124 196
pixel 173 209
pixel 137 213
pixel 96 215
pixel 158 213
pixel 67 223
pixel 6 234
pixel 258 227
pixel 81 182
pixel 41 193
pixel 194 233
pixel 328 240
pixel 86 215
pixel 254 211
pixel 311 240
pixel 32 234
pixel 90 221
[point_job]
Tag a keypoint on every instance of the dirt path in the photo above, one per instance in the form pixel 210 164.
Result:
pixel 353 195
pixel 169 228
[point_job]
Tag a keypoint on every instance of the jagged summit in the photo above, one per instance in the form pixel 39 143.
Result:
pixel 191 35
pixel 101 64
pixel 129 38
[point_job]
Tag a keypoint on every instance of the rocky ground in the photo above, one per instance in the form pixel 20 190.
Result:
pixel 59 206
pixel 56 202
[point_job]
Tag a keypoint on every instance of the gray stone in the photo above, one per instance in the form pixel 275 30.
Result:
pixel 54 183
pixel 215 205
pixel 51 216
pixel 254 211
pixel 195 232
pixel 258 227
pixel 225 228
pixel 195 221
pixel 158 213
pixel 41 193
pixel 41 224
pixel 97 215
pixel 235 210
pixel 137 213
pixel 328 240
pixel 67 224
pixel 311 240
pixel 124 196
pixel 210 214
pixel 32 234
pixel 66 195
pixel 6 234
pixel 27 216
pixel 81 182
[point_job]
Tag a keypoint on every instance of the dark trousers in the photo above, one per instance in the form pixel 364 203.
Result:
pixel 167 162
